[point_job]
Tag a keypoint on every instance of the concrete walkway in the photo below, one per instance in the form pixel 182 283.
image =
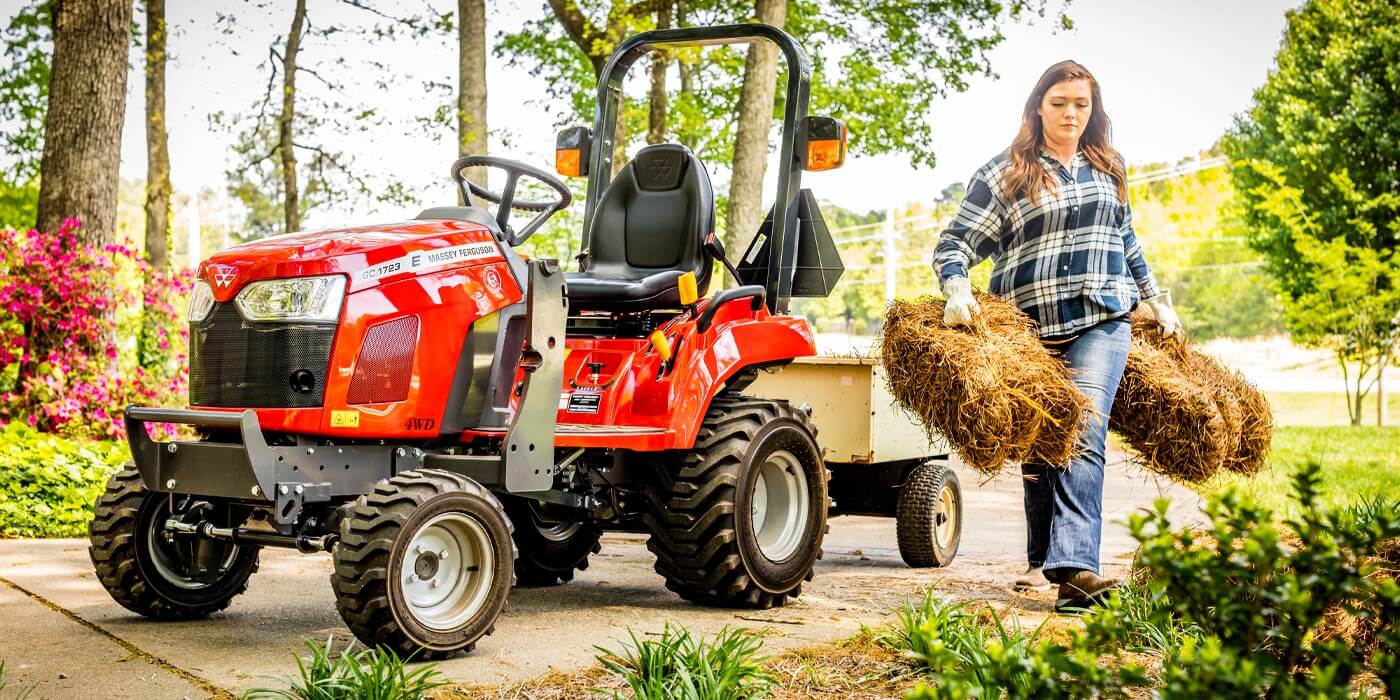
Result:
pixel 61 631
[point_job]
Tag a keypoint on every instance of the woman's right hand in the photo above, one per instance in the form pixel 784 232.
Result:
pixel 960 306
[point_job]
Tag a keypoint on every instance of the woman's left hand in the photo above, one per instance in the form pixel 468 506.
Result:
pixel 1160 309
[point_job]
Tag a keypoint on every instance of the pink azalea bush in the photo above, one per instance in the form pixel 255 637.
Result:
pixel 68 361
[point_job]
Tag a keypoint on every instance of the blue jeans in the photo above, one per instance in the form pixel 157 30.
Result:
pixel 1064 507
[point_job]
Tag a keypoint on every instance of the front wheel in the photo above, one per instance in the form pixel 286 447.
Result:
pixel 739 520
pixel 153 572
pixel 424 564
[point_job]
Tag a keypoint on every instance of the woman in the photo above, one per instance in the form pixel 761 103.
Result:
pixel 1052 212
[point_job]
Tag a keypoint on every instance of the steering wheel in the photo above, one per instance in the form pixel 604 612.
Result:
pixel 505 200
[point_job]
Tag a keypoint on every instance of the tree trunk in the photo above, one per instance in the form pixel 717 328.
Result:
pixel 83 126
pixel 157 149
pixel 291 205
pixel 751 138
pixel 656 122
pixel 471 84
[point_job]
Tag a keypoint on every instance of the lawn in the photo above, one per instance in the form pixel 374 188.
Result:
pixel 1357 462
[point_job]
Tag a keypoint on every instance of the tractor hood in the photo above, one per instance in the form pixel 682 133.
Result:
pixel 368 255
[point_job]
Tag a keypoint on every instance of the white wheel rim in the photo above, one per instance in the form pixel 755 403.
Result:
pixel 447 571
pixel 779 505
pixel 944 516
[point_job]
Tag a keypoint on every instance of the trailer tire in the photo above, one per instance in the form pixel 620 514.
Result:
pixel 548 552
pixel 928 518
pixel 709 509
pixel 388 596
pixel 149 575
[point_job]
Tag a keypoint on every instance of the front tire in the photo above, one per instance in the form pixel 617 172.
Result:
pixel 739 520
pixel 424 564
pixel 157 576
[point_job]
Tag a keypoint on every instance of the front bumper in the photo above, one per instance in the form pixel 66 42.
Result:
pixel 251 470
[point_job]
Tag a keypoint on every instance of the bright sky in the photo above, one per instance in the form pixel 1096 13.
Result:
pixel 1173 75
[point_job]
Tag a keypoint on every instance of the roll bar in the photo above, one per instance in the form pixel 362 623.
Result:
pixel 781 267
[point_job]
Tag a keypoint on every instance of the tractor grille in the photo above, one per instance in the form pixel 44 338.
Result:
pixel 385 367
pixel 237 364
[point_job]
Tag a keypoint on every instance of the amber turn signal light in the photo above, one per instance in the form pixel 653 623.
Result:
pixel 568 162
pixel 826 144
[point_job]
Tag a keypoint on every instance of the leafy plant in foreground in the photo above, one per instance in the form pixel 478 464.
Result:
pixel 679 666
pixel 369 674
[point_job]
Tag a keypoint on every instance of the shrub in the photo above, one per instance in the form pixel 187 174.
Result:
pixel 369 674
pixel 48 483
pixel 678 666
pixel 63 306
pixel 1246 608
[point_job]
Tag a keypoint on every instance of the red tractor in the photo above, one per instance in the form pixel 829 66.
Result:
pixel 448 418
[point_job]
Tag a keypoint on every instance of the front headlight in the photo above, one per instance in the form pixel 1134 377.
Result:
pixel 297 299
pixel 201 301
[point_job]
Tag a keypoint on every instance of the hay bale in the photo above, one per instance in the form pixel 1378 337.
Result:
pixel 1172 421
pixel 1246 418
pixel 993 391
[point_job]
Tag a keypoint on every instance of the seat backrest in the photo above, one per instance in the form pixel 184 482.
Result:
pixel 654 217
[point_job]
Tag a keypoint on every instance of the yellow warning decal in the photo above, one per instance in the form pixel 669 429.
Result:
pixel 345 419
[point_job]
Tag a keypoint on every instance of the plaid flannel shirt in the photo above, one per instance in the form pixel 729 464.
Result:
pixel 1069 260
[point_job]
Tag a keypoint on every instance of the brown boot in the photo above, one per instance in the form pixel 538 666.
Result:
pixel 1032 580
pixel 1084 590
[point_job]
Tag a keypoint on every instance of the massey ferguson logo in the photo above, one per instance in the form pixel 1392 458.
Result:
pixel 223 275
pixel 660 168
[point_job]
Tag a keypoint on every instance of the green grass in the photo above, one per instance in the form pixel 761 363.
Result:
pixel 1357 462
pixel 1305 408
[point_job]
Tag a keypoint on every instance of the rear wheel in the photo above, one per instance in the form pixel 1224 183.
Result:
pixel 424 564
pixel 739 520
pixel 928 521
pixel 548 549
pixel 156 573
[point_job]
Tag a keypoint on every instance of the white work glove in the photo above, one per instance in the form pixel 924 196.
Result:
pixel 1159 308
pixel 960 307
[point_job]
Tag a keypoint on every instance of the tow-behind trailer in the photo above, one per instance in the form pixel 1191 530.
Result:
pixel 882 463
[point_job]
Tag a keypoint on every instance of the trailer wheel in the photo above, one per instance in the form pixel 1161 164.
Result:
pixel 548 551
pixel 739 520
pixel 424 564
pixel 160 577
pixel 928 521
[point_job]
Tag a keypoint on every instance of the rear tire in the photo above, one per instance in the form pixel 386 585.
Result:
pixel 928 521
pixel 394 586
pixel 739 520
pixel 548 551
pixel 150 575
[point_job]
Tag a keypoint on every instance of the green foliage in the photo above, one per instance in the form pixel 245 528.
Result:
pixel 19 204
pixel 682 667
pixel 971 652
pixel 370 674
pixel 882 87
pixel 1260 600
pixel 48 483
pixel 24 97
pixel 1314 161
pixel 1238 610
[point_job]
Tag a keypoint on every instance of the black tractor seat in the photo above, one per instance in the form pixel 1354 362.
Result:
pixel 649 229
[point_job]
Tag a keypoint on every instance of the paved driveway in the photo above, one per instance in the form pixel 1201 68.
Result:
pixel 59 629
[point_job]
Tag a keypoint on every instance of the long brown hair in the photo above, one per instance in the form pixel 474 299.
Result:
pixel 1026 176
